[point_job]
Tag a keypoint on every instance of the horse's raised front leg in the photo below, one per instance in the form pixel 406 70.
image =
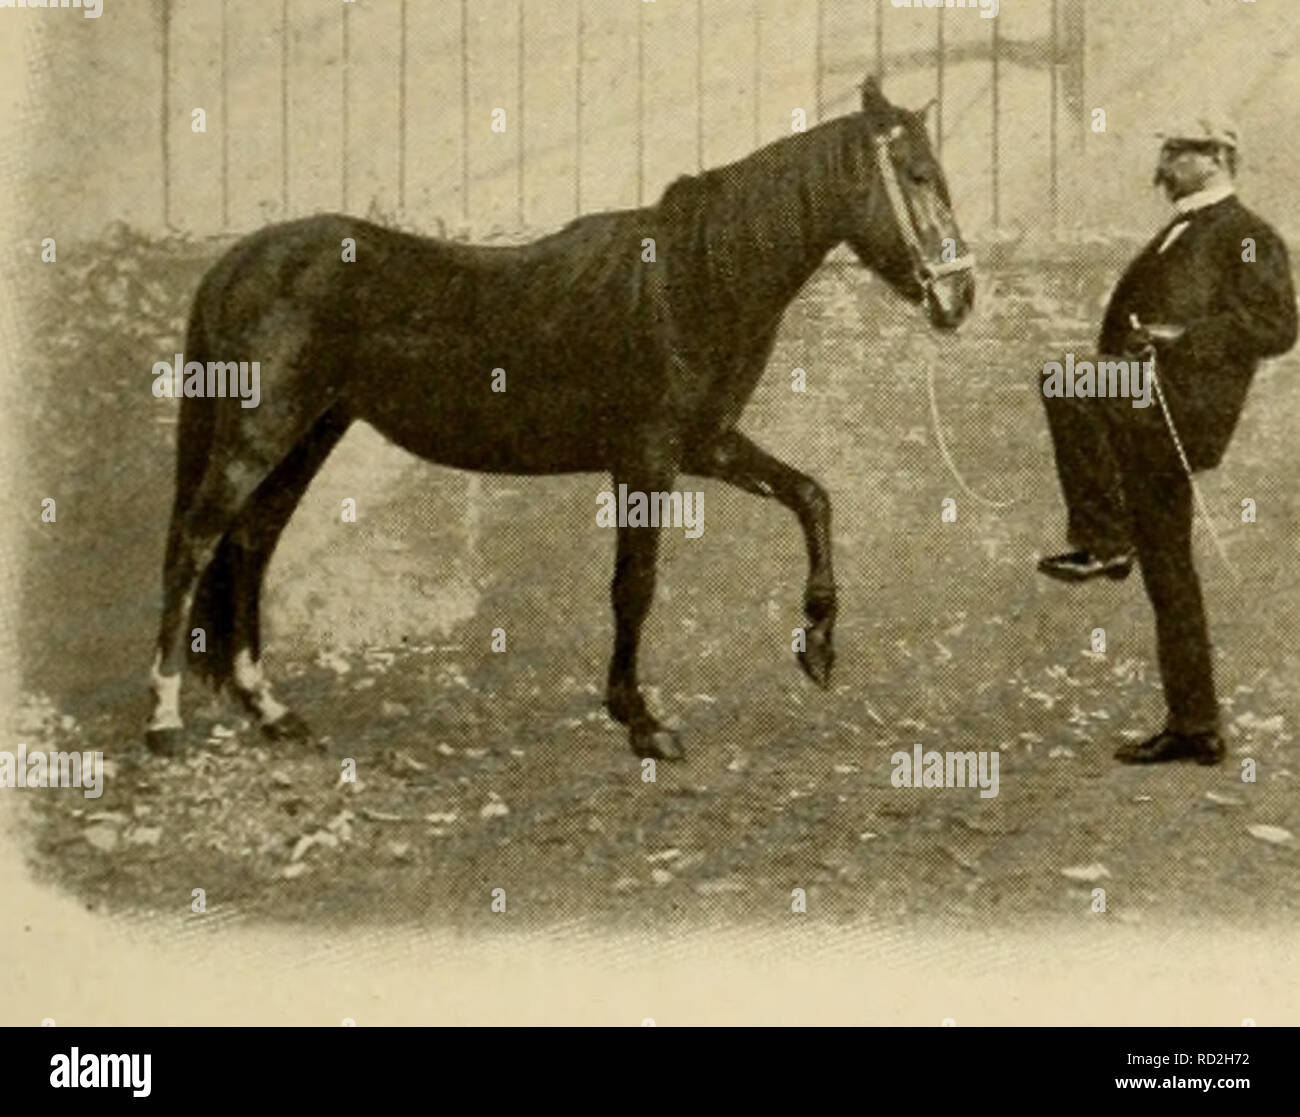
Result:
pixel 733 458
pixel 632 591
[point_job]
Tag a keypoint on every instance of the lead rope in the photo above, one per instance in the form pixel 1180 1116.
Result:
pixel 1187 467
pixel 988 502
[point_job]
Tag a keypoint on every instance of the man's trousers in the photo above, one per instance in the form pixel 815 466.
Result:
pixel 1125 490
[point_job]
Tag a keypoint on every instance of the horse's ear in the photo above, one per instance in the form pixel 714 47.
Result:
pixel 926 111
pixel 872 98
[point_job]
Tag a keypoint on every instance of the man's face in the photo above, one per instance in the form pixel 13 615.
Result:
pixel 1185 167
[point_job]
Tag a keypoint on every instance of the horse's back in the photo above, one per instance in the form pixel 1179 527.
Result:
pixel 346 270
pixel 407 331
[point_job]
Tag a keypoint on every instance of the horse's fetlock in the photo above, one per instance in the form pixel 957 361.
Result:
pixel 625 704
pixel 820 603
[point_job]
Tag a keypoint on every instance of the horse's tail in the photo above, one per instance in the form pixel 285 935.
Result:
pixel 212 610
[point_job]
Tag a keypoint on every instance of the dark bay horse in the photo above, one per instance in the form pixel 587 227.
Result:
pixel 630 342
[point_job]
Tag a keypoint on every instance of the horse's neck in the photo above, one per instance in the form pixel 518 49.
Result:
pixel 786 284
pixel 766 265
pixel 742 241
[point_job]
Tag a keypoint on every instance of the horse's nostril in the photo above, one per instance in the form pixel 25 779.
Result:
pixel 950 298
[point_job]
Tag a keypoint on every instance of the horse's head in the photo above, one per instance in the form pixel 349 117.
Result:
pixel 897 213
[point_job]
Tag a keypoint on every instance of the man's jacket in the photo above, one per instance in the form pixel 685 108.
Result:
pixel 1235 311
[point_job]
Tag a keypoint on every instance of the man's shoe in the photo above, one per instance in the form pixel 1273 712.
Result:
pixel 1079 566
pixel 1204 748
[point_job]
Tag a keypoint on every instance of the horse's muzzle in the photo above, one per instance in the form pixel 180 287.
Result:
pixel 949 293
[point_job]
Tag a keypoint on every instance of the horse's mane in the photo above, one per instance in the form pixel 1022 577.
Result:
pixel 720 222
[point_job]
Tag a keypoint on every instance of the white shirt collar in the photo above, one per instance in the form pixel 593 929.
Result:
pixel 1202 198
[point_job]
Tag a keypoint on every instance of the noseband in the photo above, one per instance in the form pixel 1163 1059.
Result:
pixel 925 271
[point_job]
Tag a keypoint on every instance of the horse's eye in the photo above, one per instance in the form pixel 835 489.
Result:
pixel 919 175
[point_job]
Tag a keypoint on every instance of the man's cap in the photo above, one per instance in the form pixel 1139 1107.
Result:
pixel 1200 130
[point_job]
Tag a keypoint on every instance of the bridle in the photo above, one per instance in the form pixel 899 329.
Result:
pixel 925 271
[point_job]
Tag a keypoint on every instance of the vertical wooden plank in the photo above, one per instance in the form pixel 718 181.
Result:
pixel 494 167
pixel 1025 93
pixel 345 91
pixel 671 74
pixel 549 144
pixel 164 113
pixel 880 41
pixel 195 202
pixel 285 61
pixel 757 93
pixel 610 120
pixel 401 113
pixel 580 35
pixel 699 85
pixel 434 117
pixel 464 109
pixel 493 154
pixel 373 96
pixel 641 104
pixel 1053 141
pixel 1073 31
pixel 995 137
pixel 315 135
pixel 225 114
pixel 819 60
pixel 940 61
pixel 521 146
pixel 252 154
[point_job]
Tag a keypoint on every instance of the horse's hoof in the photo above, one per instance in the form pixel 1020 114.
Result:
pixel 657 743
pixel 817 660
pixel 163 742
pixel 287 727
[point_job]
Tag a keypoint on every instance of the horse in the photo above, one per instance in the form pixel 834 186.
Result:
pixel 627 343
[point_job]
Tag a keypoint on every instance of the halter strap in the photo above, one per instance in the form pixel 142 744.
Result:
pixel 926 271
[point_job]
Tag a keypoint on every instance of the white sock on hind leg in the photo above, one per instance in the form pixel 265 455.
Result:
pixel 254 689
pixel 166 697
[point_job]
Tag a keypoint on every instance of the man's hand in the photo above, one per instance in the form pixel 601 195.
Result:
pixel 1139 342
pixel 1142 340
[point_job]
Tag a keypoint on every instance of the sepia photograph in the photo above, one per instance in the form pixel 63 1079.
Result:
pixel 651 513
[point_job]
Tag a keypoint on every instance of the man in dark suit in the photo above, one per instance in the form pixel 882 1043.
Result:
pixel 1208 298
